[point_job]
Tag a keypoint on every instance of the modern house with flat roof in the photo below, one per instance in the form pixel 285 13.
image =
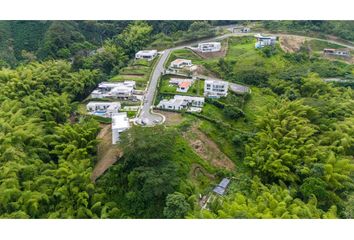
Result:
pixel 146 54
pixel 181 102
pixel 103 109
pixel 337 52
pixel 120 123
pixel 215 88
pixel 181 63
pixel 114 90
pixel 241 29
pixel 209 47
pixel 263 41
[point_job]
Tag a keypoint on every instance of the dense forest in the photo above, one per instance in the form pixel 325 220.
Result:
pixel 297 158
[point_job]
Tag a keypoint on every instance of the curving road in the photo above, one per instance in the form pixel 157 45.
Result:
pixel 147 117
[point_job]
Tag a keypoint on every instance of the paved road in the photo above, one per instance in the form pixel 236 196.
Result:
pixel 150 118
pixel 147 117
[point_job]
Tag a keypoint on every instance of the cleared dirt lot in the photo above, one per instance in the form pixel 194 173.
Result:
pixel 172 118
pixel 291 43
pixel 207 149
pixel 107 153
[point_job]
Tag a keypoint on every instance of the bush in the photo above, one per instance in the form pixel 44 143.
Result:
pixel 233 112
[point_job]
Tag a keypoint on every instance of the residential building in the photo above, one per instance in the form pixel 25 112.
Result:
pixel 241 29
pixel 215 88
pixel 181 102
pixel 120 123
pixel 103 109
pixel 209 47
pixel 263 41
pixel 146 54
pixel 181 63
pixel 222 186
pixel 337 52
pixel 114 90
pixel 183 86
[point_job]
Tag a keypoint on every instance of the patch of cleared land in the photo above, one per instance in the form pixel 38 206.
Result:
pixel 172 118
pixel 207 149
pixel 107 153
pixel 291 43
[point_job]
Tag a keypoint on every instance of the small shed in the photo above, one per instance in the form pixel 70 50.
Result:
pixel 222 186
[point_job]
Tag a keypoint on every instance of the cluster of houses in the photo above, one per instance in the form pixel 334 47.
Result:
pixel 212 89
pixel 179 102
pixel 116 90
pixel 336 52
pixel 263 41
pixel 183 85
pixel 121 90
pixel 120 121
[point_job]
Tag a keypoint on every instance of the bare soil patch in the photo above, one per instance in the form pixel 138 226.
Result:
pixel 107 153
pixel 207 149
pixel 291 43
pixel 172 118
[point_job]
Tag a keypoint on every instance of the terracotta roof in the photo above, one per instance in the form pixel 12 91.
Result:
pixel 184 84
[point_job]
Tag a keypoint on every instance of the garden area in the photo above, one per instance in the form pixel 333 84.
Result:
pixel 138 71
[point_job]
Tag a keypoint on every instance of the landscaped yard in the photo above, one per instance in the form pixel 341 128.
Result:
pixel 139 71
pixel 197 88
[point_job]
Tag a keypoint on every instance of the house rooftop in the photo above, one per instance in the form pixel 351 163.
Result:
pixel 184 84
pixel 221 188
pixel 147 51
pixel 180 60
pixel 120 120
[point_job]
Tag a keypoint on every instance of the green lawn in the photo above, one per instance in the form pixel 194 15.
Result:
pixel 197 88
pixel 318 45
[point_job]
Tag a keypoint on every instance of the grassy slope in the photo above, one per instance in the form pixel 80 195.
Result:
pixel 138 71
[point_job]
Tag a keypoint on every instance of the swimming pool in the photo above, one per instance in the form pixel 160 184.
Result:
pixel 100 113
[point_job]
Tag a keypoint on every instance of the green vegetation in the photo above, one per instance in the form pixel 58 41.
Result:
pixel 290 141
pixel 342 29
pixel 197 88
pixel 46 161
pixel 318 45
pixel 138 71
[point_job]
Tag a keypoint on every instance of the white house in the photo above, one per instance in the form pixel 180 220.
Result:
pixel 337 52
pixel 104 109
pixel 114 90
pixel 263 41
pixel 241 29
pixel 120 123
pixel 146 54
pixel 180 102
pixel 215 88
pixel 181 63
pixel 182 84
pixel 209 47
